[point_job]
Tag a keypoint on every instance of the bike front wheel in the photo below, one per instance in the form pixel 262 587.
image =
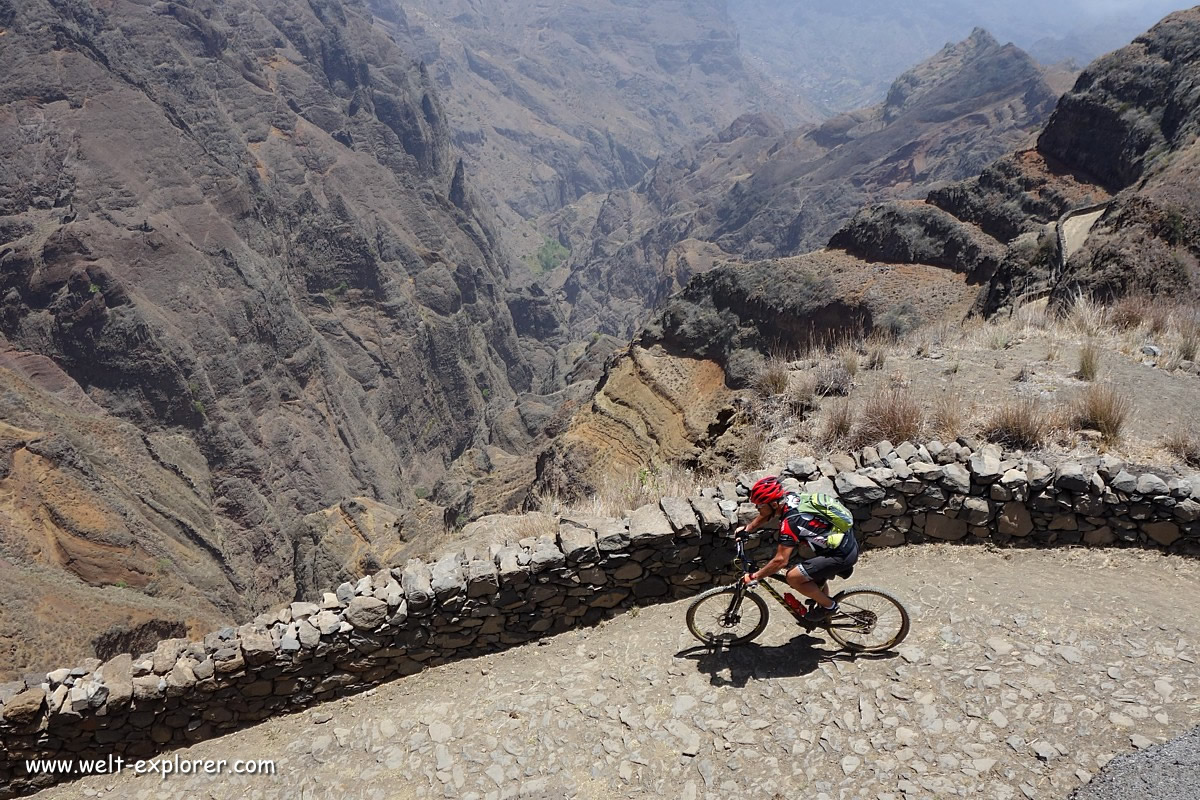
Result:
pixel 871 620
pixel 727 616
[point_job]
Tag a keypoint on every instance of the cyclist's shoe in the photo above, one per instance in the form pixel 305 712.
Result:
pixel 820 613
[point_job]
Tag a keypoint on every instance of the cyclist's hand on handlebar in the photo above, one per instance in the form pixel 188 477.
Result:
pixel 739 531
pixel 748 579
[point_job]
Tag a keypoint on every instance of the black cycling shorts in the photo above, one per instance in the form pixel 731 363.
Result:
pixel 820 568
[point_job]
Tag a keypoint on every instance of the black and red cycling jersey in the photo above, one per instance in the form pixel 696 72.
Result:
pixel 801 522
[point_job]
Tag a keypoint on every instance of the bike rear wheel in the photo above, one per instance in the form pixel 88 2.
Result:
pixel 871 620
pixel 726 616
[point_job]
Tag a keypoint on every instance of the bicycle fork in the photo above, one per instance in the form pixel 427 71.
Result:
pixel 733 612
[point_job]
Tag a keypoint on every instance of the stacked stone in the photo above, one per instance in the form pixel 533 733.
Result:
pixel 398 621
pixel 972 491
pixel 390 624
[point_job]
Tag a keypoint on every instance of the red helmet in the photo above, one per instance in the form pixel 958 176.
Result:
pixel 766 490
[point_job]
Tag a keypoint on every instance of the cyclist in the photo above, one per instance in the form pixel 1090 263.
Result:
pixel 811 518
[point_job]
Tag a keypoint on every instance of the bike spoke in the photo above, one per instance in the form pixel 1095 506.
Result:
pixel 870 620
pixel 721 618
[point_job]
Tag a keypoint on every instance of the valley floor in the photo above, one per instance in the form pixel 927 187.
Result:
pixel 1024 673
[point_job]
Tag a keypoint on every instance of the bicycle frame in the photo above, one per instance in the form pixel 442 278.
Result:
pixel 747 565
pixel 857 618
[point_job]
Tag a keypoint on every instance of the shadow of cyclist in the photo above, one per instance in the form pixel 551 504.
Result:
pixel 735 666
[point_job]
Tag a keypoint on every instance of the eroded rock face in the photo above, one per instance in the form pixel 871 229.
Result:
pixel 762 190
pixel 549 102
pixel 1131 122
pixel 242 228
pixel 1129 103
pixel 650 407
pixel 88 501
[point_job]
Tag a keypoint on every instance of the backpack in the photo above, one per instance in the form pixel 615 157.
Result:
pixel 830 508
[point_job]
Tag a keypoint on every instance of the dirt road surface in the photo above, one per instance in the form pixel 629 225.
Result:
pixel 1025 672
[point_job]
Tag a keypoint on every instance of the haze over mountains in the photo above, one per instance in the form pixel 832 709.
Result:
pixel 549 101
pixel 843 55
pixel 760 190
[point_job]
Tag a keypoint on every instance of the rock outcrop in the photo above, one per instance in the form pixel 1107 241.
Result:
pixel 551 102
pixel 1126 132
pixel 1132 122
pixel 243 229
pixel 762 190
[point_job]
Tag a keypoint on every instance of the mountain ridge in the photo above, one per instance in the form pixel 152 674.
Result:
pixel 760 190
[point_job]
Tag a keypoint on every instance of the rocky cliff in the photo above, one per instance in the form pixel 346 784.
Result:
pixel 1132 122
pixel 242 278
pixel 1126 132
pixel 551 101
pixel 762 190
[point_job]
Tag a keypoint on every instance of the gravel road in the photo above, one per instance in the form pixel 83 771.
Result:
pixel 1026 672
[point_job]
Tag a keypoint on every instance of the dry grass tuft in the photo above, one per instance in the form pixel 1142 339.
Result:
pixel 1020 422
pixel 1128 312
pixel 1102 408
pixel 1158 317
pixel 537 525
pixel 801 397
pixel 1185 445
pixel 890 414
pixel 772 379
pixel 948 416
pixel 1189 336
pixel 1035 316
pixel 751 450
pixel 998 338
pixel 834 379
pixel 618 494
pixel 1089 360
pixel 837 423
pixel 876 356
pixel 849 360
pixel 1086 316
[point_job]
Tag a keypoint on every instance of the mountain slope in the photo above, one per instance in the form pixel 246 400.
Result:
pixel 551 101
pixel 241 228
pixel 986 245
pixel 759 190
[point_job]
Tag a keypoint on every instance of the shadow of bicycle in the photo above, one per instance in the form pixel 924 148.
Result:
pixel 735 666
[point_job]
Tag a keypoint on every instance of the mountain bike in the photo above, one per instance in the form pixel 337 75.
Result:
pixel 870 620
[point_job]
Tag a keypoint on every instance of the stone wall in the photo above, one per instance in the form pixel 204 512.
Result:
pixel 399 621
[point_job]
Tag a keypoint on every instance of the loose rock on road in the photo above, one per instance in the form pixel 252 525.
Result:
pixel 1025 672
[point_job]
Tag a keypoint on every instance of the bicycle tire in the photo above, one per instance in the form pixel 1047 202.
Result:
pixel 894 633
pixel 718 601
